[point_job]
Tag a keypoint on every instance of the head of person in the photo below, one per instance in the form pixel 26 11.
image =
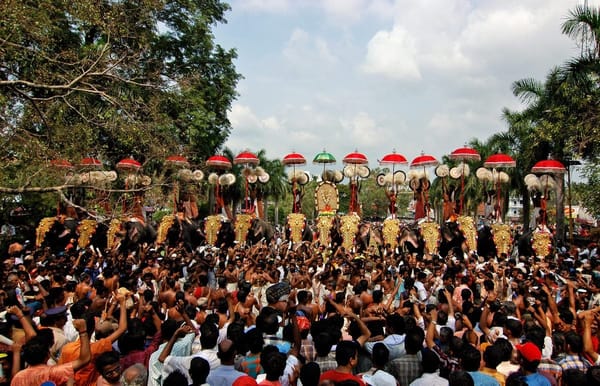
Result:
pixel 209 334
pixel 310 373
pixel 430 360
pixel 529 356
pixel 346 353
pixel 273 362
pixel 135 375
pixel 414 340
pixel 573 342
pixel 380 355
pixel 107 364
pixel 460 378
pixel 492 356
pixel 470 358
pixel 226 352
pixel 36 351
pixel 199 369
pixel 176 378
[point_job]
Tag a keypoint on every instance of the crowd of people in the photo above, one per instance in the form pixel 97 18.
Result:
pixel 279 313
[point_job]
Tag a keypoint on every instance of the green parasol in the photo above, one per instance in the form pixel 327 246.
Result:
pixel 324 158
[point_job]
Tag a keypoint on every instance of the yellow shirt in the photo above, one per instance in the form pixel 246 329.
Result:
pixel 494 374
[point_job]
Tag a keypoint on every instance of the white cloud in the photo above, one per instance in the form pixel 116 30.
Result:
pixel 392 54
pixel 305 50
pixel 272 6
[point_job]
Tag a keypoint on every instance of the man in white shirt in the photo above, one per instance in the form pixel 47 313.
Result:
pixel 431 376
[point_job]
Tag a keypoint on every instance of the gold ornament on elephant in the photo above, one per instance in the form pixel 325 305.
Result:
pixel 243 222
pixel 327 199
pixel 502 238
pixel 296 223
pixel 324 225
pixel 87 228
pixel 212 226
pixel 163 228
pixel 391 229
pixel 541 243
pixel 349 228
pixel 467 227
pixel 431 234
pixel 43 228
pixel 113 231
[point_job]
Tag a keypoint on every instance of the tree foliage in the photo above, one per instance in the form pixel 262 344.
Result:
pixel 110 79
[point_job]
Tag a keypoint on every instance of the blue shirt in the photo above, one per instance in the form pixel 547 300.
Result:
pixel 537 379
pixel 481 379
pixel 223 375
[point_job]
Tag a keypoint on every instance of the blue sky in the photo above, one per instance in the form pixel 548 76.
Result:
pixel 409 75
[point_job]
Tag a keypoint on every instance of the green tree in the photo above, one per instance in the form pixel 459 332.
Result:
pixel 110 79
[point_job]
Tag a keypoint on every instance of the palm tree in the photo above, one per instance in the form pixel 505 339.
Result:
pixel 583 24
pixel 277 186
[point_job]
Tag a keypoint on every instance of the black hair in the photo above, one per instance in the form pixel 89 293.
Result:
pixel 430 361
pixel 199 369
pixel 460 378
pixel 267 321
pixel 209 334
pixel 345 351
pixel 254 340
pixel 380 355
pixel 575 341
pixel 471 358
pixel 310 373
pixel 36 351
pixel 176 378
pixel 414 340
pixel 492 356
pixel 574 377
pixel 273 362
pixel 105 359
pixel 395 322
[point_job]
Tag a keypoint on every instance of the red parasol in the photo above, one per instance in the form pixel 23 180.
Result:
pixel 293 159
pixel 424 160
pixel 549 166
pixel 61 164
pixel 500 161
pixel 465 154
pixel 246 157
pixel 90 162
pixel 178 160
pixel 355 158
pixel 128 164
pixel 393 158
pixel 218 162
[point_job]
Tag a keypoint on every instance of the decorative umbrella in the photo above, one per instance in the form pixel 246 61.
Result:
pixel 424 160
pixel 61 163
pixel 393 159
pixel 246 158
pixel 549 166
pixel 178 160
pixel 465 154
pixel 494 161
pixel 292 160
pixel 218 162
pixel 128 164
pixel 500 161
pixel 324 158
pixel 355 158
pixel 90 163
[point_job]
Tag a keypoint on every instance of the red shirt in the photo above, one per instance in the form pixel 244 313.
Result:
pixel 337 376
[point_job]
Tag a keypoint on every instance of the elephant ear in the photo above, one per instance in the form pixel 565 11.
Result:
pixel 442 171
pixel 338 177
pixel 363 171
pixel 399 177
pixel 197 175
pixel 264 178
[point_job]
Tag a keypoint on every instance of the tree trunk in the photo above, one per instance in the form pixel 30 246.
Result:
pixel 276 211
pixel 560 210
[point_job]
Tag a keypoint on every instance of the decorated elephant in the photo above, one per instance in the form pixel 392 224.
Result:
pixel 174 229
